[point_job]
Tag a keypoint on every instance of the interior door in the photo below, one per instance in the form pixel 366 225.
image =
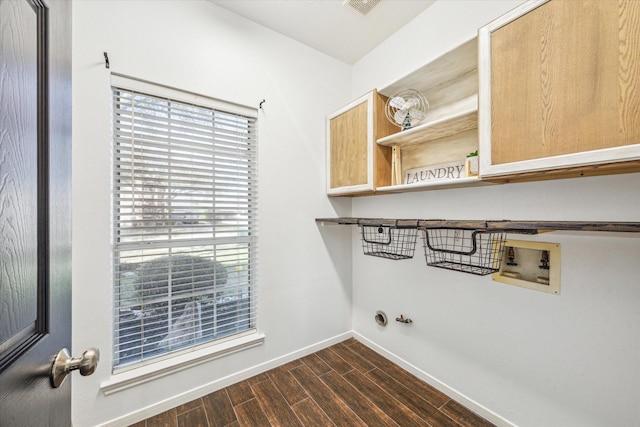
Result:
pixel 35 217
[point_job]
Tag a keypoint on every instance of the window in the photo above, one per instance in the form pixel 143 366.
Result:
pixel 185 195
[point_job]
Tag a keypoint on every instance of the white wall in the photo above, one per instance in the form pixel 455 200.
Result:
pixel 304 274
pixel 534 359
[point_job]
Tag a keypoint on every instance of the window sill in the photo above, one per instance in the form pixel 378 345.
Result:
pixel 131 378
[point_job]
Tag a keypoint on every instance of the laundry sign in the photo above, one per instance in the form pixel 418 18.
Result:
pixel 425 174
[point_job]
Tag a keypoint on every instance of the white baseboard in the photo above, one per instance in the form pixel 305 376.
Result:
pixel 465 401
pixel 165 405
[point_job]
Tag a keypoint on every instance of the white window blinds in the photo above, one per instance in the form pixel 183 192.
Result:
pixel 185 237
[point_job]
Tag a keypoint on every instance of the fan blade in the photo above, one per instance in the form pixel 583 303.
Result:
pixel 416 114
pixel 412 101
pixel 399 116
pixel 397 102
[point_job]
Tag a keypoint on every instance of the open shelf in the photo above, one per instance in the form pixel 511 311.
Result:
pixel 526 227
pixel 449 131
pixel 446 121
pixel 467 246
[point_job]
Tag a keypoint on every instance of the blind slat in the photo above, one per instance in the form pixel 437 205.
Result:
pixel 171 123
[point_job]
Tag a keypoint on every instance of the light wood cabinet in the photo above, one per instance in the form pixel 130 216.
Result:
pixel 560 89
pixel 362 142
pixel 356 164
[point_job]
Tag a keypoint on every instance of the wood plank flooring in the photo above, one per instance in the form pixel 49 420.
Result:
pixel 347 384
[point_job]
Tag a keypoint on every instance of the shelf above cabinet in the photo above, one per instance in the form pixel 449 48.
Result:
pixel 447 120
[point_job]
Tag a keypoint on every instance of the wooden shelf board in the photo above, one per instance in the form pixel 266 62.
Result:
pixel 504 225
pixel 435 185
pixel 457 62
pixel 615 227
pixel 448 120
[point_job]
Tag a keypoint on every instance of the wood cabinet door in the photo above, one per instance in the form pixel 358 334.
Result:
pixel 350 135
pixel 560 86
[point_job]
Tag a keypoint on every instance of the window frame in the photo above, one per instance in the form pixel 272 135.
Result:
pixel 172 95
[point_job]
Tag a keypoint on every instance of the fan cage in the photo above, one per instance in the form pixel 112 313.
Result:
pixel 390 110
pixel 470 251
pixel 389 242
pixel 362 6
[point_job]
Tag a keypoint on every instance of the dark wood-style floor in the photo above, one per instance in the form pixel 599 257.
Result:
pixel 347 384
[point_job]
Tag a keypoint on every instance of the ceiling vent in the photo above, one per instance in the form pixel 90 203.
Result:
pixel 362 6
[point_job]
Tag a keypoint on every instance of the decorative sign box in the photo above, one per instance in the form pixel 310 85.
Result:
pixel 453 170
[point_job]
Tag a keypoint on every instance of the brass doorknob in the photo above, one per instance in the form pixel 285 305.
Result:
pixel 63 364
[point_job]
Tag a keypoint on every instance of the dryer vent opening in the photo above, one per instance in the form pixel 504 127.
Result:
pixel 381 318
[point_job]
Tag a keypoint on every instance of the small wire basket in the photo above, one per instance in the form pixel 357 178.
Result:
pixel 389 241
pixel 471 251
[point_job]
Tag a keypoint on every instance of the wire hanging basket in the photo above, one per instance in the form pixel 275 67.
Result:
pixel 470 251
pixel 389 242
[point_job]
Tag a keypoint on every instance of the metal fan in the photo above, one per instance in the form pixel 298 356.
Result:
pixel 406 108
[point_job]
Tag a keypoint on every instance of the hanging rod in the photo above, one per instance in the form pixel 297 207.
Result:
pixel 507 225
